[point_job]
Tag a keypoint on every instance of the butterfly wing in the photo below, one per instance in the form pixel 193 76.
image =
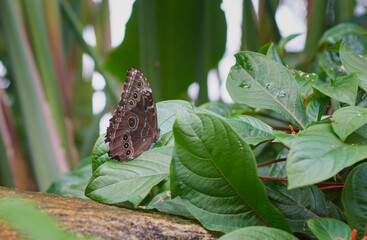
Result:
pixel 133 128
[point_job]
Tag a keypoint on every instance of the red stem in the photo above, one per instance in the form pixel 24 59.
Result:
pixel 270 162
pixel 286 180
pixel 331 187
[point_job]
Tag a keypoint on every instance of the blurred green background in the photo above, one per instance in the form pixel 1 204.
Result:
pixel 47 122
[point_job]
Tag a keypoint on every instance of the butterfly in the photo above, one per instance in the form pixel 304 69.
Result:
pixel 133 127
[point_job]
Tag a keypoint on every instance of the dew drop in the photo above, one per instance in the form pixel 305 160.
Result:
pixel 359 115
pixel 245 85
pixel 267 85
pixel 282 94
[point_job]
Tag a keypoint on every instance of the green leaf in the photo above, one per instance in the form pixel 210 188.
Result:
pixel 316 108
pixel 214 172
pixel 355 198
pixel 195 41
pixel 258 233
pixel 327 228
pixel 251 129
pixel 351 61
pixel 304 81
pixel 284 138
pixel 343 89
pixel 317 154
pixel 362 77
pixel 224 109
pixel 29 221
pixel 340 31
pixel 117 182
pixel 100 153
pixel 73 183
pixel 163 203
pixel 273 54
pixel 299 205
pixel 330 64
pixel 285 40
pixel 260 82
pixel 348 120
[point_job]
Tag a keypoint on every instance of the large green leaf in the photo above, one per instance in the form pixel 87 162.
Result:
pixel 172 48
pixel 343 89
pixel 299 205
pixel 258 233
pixel 348 120
pixel 341 31
pixel 214 172
pixel 329 229
pixel 317 154
pixel 355 198
pixel 118 182
pixel 251 129
pixel 260 82
pixel 351 61
pixel 73 183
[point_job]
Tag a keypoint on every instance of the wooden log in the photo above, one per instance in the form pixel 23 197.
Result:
pixel 86 217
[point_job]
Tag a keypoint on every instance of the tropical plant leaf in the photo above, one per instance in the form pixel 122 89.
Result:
pixel 309 163
pixel 226 110
pixel 316 108
pixel 257 233
pixel 100 152
pixel 252 130
pixel 214 172
pixel 355 199
pixel 329 229
pixel 117 182
pixel 340 31
pixel 299 205
pixel 351 61
pixel 343 89
pixel 73 183
pixel 260 82
pixel 164 203
pixel 347 120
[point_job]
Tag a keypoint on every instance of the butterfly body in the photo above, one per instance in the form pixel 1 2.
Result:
pixel 133 127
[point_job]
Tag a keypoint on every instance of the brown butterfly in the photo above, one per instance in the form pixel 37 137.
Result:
pixel 133 127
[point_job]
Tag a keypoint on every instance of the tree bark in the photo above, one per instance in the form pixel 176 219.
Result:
pixel 87 217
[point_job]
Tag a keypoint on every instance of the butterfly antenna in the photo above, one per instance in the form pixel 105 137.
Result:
pixel 167 120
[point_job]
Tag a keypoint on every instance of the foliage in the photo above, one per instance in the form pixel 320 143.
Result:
pixel 288 155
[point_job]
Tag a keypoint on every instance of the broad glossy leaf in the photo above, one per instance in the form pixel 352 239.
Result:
pixel 340 31
pixel 304 81
pixel 167 110
pixel 100 152
pixel 318 154
pixel 260 82
pixel 284 138
pixel 273 54
pixel 330 63
pixel 214 172
pixel 316 108
pixel 258 233
pixel 226 110
pixel 30 222
pixel 73 183
pixel 343 89
pixel 348 120
pixel 164 203
pixel 301 204
pixel 329 229
pixel 251 129
pixel 175 44
pixel 362 77
pixel 355 198
pixel 117 182
pixel 352 61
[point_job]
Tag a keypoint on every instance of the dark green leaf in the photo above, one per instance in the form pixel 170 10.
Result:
pixel 226 110
pixel 351 61
pixel 258 233
pixel 343 89
pixel 251 129
pixel 316 108
pixel 284 138
pixel 118 182
pixel 329 229
pixel 260 82
pixel 299 205
pixel 340 31
pixel 163 203
pixel 348 120
pixel 214 172
pixel 355 199
pixel 73 183
pixel 317 154
pixel 304 81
